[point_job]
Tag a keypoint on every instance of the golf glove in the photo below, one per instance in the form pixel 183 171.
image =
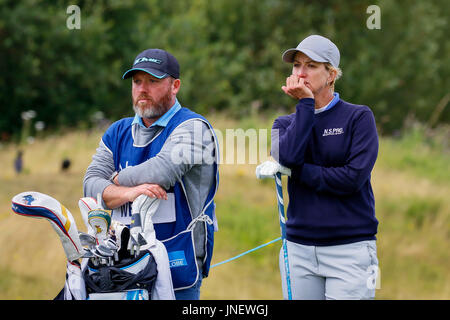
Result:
pixel 269 169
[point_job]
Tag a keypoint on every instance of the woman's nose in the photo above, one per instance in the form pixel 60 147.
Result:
pixel 301 72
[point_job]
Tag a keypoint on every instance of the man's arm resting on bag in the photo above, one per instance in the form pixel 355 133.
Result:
pixel 114 196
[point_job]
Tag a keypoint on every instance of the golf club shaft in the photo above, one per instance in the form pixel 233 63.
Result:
pixel 282 217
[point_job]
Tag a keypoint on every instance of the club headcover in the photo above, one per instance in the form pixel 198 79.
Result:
pixel 38 205
pixel 99 220
pixel 87 204
pixel 142 211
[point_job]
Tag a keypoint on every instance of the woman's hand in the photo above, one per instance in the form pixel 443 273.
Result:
pixel 295 87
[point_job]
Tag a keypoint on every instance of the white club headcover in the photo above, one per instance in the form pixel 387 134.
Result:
pixel 100 221
pixel 87 204
pixel 143 209
pixel 38 205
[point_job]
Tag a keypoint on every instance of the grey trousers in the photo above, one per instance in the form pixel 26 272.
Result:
pixel 344 272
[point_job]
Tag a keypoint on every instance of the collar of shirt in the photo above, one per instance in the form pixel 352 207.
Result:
pixel 329 105
pixel 165 118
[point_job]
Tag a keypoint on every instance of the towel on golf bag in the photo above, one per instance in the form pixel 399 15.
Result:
pixel 163 289
pixel 74 286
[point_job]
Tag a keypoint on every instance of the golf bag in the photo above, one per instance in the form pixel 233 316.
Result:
pixel 143 275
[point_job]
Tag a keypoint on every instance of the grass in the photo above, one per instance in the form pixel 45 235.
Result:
pixel 411 184
pixel 424 152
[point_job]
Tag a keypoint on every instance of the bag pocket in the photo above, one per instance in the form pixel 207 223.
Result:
pixel 182 261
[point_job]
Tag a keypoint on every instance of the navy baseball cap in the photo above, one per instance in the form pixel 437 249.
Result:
pixel 157 62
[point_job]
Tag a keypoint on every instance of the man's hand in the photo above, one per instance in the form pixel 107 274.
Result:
pixel 150 189
pixel 269 169
pixel 114 196
pixel 295 87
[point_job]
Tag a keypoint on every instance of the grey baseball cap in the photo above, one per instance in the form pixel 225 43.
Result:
pixel 316 47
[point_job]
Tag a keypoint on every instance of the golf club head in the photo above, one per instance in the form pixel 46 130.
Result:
pixel 104 250
pixel 88 254
pixel 87 239
pixel 121 233
pixel 38 205
pixel 132 244
pixel 99 220
pixel 110 243
pixel 87 204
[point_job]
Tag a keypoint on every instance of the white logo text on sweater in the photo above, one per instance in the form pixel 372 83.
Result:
pixel 332 132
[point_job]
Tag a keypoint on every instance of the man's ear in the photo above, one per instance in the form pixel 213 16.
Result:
pixel 176 86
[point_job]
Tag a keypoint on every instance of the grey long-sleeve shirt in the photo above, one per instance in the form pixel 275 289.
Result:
pixel 198 176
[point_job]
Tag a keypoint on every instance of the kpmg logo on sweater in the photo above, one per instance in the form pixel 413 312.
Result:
pixel 332 132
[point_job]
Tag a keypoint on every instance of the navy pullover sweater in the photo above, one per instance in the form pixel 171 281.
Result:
pixel 331 155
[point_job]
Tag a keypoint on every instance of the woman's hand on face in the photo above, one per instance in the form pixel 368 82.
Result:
pixel 295 87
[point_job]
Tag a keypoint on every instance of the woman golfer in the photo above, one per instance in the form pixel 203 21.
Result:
pixel 329 148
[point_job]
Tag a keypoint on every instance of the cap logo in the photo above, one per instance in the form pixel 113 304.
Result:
pixel 145 59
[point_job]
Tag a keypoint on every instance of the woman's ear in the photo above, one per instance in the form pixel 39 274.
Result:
pixel 332 77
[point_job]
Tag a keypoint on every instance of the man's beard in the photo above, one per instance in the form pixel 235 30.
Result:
pixel 153 109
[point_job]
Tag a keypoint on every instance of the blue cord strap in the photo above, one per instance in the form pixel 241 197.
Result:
pixel 246 252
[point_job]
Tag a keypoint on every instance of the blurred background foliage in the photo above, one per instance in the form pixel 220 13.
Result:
pixel 229 52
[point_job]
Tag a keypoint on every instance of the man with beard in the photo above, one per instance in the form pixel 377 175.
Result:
pixel 168 152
